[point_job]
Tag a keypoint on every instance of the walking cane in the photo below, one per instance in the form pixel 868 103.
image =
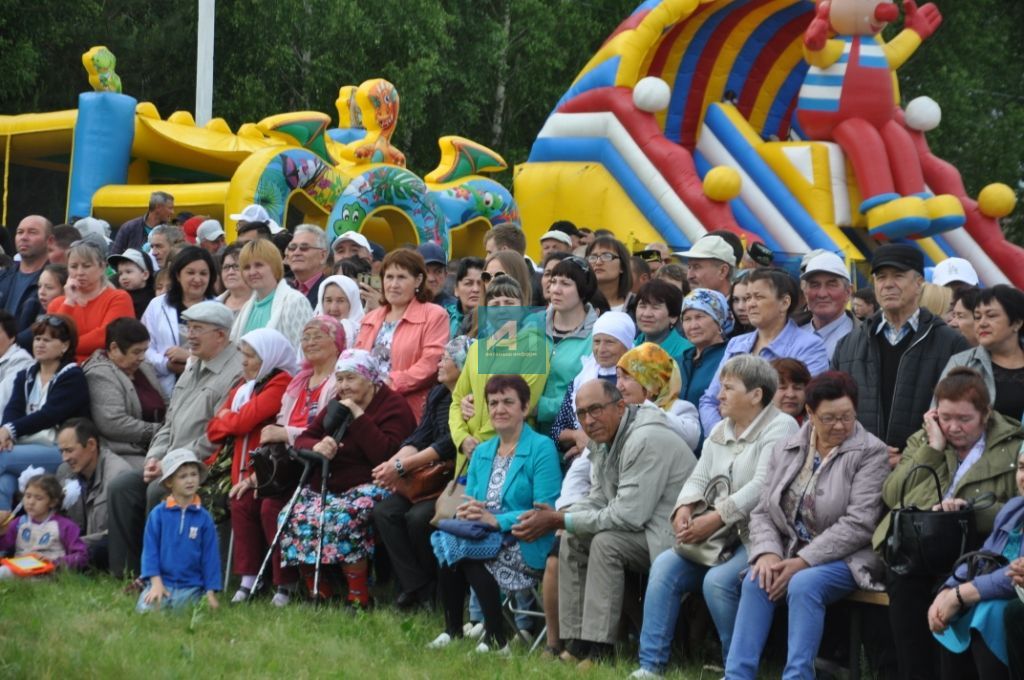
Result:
pixel 307 467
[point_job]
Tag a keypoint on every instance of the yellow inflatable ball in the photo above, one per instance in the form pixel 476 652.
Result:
pixel 722 184
pixel 997 200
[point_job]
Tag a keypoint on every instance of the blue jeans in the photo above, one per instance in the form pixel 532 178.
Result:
pixel 179 598
pixel 670 577
pixel 15 461
pixel 809 592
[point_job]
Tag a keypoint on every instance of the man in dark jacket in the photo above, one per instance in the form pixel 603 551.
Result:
pixel 134 233
pixel 897 355
pixel 18 284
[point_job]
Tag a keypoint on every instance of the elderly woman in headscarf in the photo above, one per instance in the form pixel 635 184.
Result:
pixel 648 373
pixel 381 421
pixel 338 298
pixel 707 322
pixel 403 523
pixel 268 362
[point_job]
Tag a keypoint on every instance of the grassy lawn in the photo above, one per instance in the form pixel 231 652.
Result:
pixel 84 627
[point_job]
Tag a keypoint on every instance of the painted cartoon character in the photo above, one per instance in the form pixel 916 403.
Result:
pixel 848 97
pixel 100 63
pixel 378 106
pixel 350 218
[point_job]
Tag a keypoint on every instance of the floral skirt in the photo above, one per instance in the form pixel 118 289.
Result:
pixel 348 532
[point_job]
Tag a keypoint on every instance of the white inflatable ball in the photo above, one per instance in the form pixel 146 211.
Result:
pixel 652 94
pixel 923 113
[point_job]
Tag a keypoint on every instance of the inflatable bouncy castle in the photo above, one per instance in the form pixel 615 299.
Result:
pixel 117 151
pixel 780 120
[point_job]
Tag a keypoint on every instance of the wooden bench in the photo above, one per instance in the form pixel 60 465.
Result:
pixel 860 598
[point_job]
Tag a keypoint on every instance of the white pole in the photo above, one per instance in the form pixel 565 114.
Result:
pixel 204 63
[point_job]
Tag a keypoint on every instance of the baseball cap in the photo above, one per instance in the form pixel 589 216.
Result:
pixel 432 253
pixel 898 255
pixel 827 263
pixel 130 255
pixel 191 226
pixel 954 269
pixel 557 235
pixel 377 251
pixel 209 230
pixel 761 254
pixel 710 248
pixel 353 236
pixel 648 255
pixel 257 213
pixel 175 459
pixel 211 312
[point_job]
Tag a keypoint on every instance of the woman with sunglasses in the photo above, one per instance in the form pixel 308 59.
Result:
pixel 192 281
pixel 467 416
pixel 568 324
pixel 609 260
pixel 45 394
pixel 511 264
pixel 89 299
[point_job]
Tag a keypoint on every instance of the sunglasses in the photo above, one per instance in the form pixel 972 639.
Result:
pixel 580 262
pixel 487 277
pixel 54 321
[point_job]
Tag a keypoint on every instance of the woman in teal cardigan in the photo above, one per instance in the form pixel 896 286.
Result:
pixel 507 476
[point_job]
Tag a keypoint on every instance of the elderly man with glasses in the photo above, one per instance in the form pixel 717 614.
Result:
pixel 639 465
pixel 306 256
pixel 214 367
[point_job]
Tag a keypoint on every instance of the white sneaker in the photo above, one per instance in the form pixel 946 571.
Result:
pixel 644 673
pixel 484 648
pixel 281 599
pixel 241 595
pixel 440 642
pixel 475 631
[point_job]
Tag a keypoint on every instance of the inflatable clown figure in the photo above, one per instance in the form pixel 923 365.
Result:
pixel 849 97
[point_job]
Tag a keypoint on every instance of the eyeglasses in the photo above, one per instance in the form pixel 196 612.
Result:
pixel 54 321
pixel 594 258
pixel 486 277
pixel 196 331
pixel 592 411
pixel 230 268
pixel 581 263
pixel 828 420
pixel 301 247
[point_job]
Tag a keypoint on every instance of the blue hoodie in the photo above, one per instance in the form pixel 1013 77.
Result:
pixel 181 546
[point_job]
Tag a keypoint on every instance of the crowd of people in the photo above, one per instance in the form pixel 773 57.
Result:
pixel 595 441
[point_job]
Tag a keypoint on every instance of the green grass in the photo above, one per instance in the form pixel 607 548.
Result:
pixel 84 627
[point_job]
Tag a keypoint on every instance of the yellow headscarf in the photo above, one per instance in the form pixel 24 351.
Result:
pixel 656 371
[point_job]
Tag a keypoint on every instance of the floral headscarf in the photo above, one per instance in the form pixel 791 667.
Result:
pixel 712 303
pixel 457 348
pixel 655 370
pixel 363 363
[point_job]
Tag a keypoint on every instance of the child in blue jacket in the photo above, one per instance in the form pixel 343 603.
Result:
pixel 180 557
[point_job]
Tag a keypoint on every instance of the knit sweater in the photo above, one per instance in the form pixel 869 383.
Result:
pixel 289 312
pixel 92 319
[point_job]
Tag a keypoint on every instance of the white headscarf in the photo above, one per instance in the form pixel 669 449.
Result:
pixel 355 305
pixel 275 351
pixel 617 325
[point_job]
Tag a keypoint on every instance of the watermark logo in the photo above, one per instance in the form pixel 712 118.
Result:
pixel 511 340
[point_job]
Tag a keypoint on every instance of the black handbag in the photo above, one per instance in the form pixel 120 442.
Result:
pixel 926 542
pixel 276 469
pixel 978 563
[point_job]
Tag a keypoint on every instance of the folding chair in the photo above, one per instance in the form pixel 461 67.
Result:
pixel 510 611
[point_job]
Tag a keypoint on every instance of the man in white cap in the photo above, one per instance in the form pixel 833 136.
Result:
pixel 826 285
pixel 710 263
pixel 955 273
pixel 210 236
pixel 254 222
pixel 352 244
pixel 213 369
pixel 555 241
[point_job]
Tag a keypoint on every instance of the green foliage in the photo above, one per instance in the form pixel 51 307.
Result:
pixel 490 70
pixel 974 68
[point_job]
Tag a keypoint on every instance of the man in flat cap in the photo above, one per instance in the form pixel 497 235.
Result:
pixel 213 369
pixel 897 355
